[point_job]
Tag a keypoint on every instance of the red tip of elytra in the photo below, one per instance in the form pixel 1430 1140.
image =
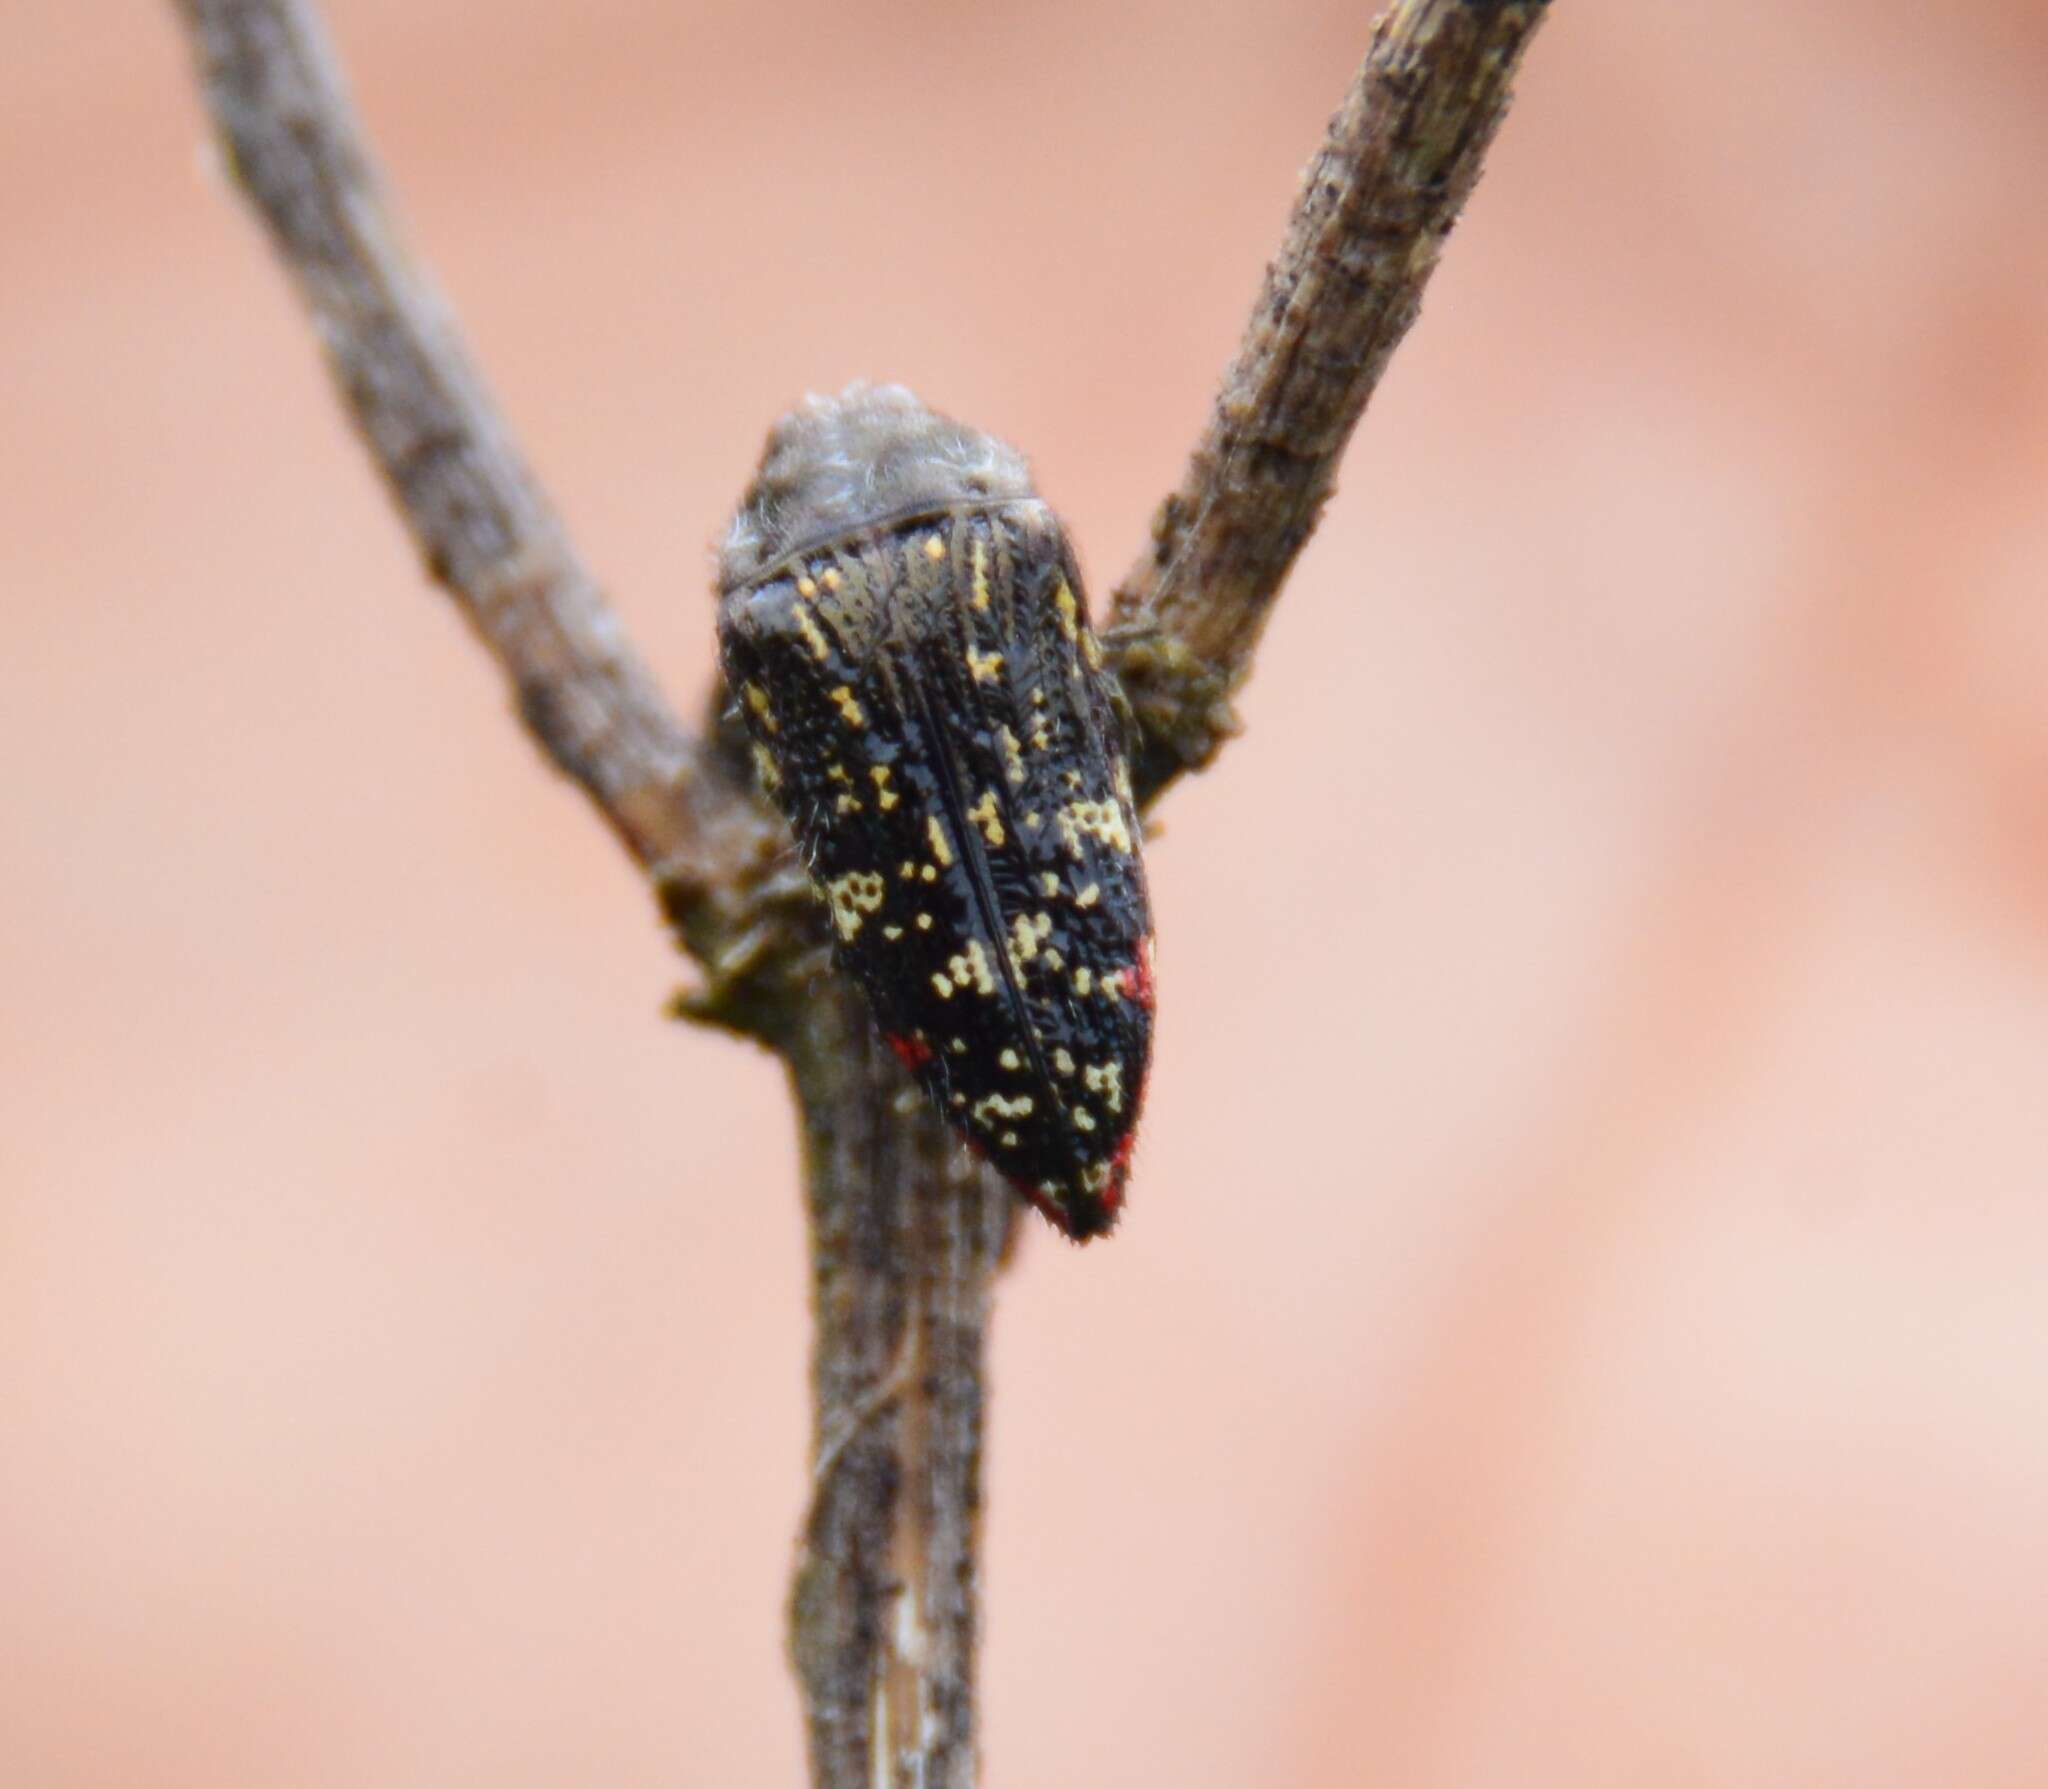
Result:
pixel 1134 981
pixel 912 1052
pixel 1085 1222
pixel 1097 1212
pixel 1112 1194
pixel 1120 1165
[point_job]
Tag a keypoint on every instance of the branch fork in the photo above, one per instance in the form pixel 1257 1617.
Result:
pixel 906 1234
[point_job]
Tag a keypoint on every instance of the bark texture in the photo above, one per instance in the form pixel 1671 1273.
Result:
pixel 883 1617
pixel 1396 167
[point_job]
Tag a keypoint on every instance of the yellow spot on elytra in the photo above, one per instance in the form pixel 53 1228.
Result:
pixel 958 1046
pixel 942 847
pixel 1082 1120
pixel 849 706
pixel 1122 779
pixel 997 1105
pixel 924 922
pixel 1070 611
pixel 1101 820
pixel 853 896
pixel 757 700
pixel 1063 1062
pixel 1010 1059
pixel 892 933
pixel 764 768
pixel 1041 735
pixel 1013 756
pixel 980 557
pixel 1084 979
pixel 812 637
pixel 985 814
pixel 885 797
pixel 1025 934
pixel 984 667
pixel 970 967
pixel 1088 896
pixel 942 987
pixel 846 804
pixel 1049 882
pixel 806 587
pixel 1095 1178
pixel 934 547
pixel 908 871
pixel 831 578
pixel 1009 1139
pixel 1107 1079
pixel 1091 652
pixel 928 873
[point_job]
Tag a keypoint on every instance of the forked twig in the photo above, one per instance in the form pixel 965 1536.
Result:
pixel 905 1236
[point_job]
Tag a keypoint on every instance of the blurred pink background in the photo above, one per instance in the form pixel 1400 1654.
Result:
pixel 1583 1316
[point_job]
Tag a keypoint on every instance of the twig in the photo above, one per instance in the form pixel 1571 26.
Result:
pixel 883 1619
pixel 1400 159
pixel 905 1235
pixel 483 526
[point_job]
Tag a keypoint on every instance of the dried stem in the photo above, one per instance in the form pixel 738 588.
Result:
pixel 483 526
pixel 883 1618
pixel 905 1235
pixel 1400 159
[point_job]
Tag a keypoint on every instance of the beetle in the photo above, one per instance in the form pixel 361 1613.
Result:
pixel 904 633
